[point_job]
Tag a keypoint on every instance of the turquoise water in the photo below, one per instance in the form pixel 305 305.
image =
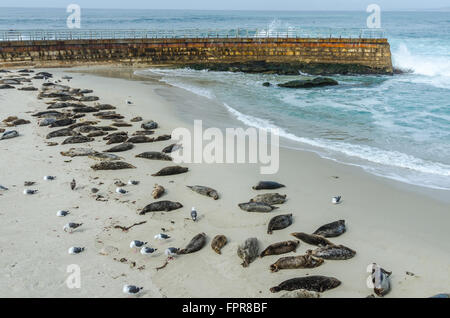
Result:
pixel 395 126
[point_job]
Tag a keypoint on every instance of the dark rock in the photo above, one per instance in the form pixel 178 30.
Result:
pixel 316 82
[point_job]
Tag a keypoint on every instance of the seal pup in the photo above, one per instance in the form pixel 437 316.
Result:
pixel 207 191
pixel 9 134
pixel 301 293
pixel 248 251
pixel 75 250
pixel 279 222
pixel 194 245
pixel 268 185
pixel 334 252
pixel 159 206
pixel 29 191
pixel 194 214
pixel 218 242
pixel 293 262
pixel 336 200
pixel 154 155
pixel 168 171
pixel 315 283
pixel 312 239
pixel 256 207
pixel 132 290
pixel 381 280
pixel 112 165
pixel 269 198
pixel 332 229
pixel 73 184
pixel 62 213
pixel 158 191
pixel 145 250
pixel 162 236
pixel 280 248
pixel 71 226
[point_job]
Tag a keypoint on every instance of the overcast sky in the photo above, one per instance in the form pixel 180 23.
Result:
pixel 235 4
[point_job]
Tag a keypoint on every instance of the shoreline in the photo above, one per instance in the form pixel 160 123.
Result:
pixel 390 228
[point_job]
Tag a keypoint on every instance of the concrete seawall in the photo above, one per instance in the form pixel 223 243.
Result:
pixel 282 55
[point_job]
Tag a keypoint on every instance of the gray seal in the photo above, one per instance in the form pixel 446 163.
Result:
pixel 168 171
pixel 196 244
pixel 122 147
pixel 269 198
pixel 268 185
pixel 279 222
pixel 315 283
pixel 256 207
pixel 334 252
pixel 312 239
pixel 207 191
pixel 154 155
pixel 159 206
pixel 280 248
pixel 112 165
pixel 294 262
pixel 248 251
pixel 332 229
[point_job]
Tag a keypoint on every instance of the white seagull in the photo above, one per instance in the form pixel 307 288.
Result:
pixel 194 214
pixel 131 290
pixel 161 236
pixel 171 252
pixel 49 178
pixel 121 191
pixel 71 226
pixel 133 182
pixel 336 200
pixel 76 250
pixel 29 191
pixel 62 213
pixel 148 250
pixel 137 244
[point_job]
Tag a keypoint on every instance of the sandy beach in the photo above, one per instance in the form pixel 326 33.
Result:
pixel 401 227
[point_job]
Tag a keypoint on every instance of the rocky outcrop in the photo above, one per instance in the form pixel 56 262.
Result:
pixel 308 83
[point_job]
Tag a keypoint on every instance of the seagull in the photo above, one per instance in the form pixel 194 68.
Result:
pixel 137 244
pixel 162 236
pixel 73 184
pixel 49 178
pixel 194 214
pixel 29 191
pixel 3 188
pixel 131 289
pixel 121 191
pixel 133 182
pixel 128 102
pixel 336 200
pixel 62 213
pixel 171 252
pixel 147 250
pixel 76 250
pixel 71 226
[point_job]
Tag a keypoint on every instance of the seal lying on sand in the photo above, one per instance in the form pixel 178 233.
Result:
pixel 279 222
pixel 268 185
pixel 312 239
pixel 209 192
pixel 104 156
pixel 256 207
pixel 122 147
pixel 112 165
pixel 248 251
pixel 159 206
pixel 168 171
pixel 9 134
pixel 196 244
pixel 218 242
pixel 78 152
pixel 140 139
pixel 149 125
pixel 64 132
pixel 334 252
pixel 269 198
pixel 332 229
pixel 171 148
pixel 77 140
pixel 62 122
pixel 158 191
pixel 293 262
pixel 116 138
pixel 312 283
pixel 280 248
pixel 154 155
pixel 381 280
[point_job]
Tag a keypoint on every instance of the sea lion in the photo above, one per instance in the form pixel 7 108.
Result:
pixel 64 132
pixel 280 248
pixel 77 140
pixel 301 293
pixel 171 148
pixel 268 185
pixel 122 147
pixel 248 251
pixel 209 192
pixel 315 283
pixel 269 198
pixel 154 155
pixel 158 191
pixel 218 242
pixel 140 139
pixel 279 222
pixel 112 165
pixel 332 229
pixel 116 138
pixel 78 152
pixel 196 244
pixel 334 252
pixel 256 207
pixel 381 280
pixel 159 206
pixel 62 122
pixel 168 171
pixel 149 125
pixel 9 134
pixel 294 262
pixel 312 239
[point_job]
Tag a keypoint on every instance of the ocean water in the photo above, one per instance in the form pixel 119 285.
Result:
pixel 393 126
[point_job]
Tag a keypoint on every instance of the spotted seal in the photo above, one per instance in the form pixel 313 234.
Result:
pixel 207 191
pixel 280 248
pixel 158 191
pixel 312 239
pixel 112 165
pixel 269 198
pixel 279 222
pixel 218 242
pixel 332 229
pixel 268 185
pixel 293 262
pixel 256 207
pixel 334 252
pixel 315 283
pixel 159 206
pixel 248 251
pixel 154 155
pixel 120 148
pixel 196 244
pixel 168 171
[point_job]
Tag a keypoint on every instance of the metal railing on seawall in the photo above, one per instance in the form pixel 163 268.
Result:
pixel 291 32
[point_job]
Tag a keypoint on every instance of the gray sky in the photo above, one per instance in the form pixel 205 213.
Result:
pixel 235 4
